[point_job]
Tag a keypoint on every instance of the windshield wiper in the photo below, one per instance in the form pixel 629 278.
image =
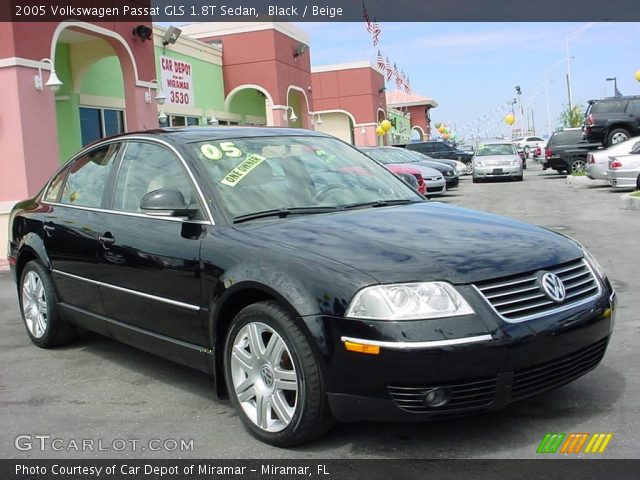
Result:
pixel 381 203
pixel 283 212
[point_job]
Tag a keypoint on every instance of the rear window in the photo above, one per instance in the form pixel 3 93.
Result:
pixel 608 107
pixel 570 137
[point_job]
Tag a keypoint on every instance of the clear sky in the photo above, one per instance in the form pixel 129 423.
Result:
pixel 471 69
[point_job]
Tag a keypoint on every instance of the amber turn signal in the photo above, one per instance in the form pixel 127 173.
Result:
pixel 361 348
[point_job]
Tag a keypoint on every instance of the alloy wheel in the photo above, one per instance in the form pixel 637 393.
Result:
pixel 618 137
pixel 264 377
pixel 579 166
pixel 34 304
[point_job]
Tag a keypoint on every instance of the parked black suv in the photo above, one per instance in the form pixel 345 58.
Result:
pixel 612 120
pixel 567 150
pixel 440 150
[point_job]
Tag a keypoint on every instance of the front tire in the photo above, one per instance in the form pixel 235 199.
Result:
pixel 273 379
pixel 39 308
pixel 579 166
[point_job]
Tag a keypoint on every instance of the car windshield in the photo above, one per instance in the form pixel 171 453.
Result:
pixel 496 149
pixel 306 173
pixel 388 155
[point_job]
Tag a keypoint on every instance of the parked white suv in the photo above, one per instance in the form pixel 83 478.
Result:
pixel 528 144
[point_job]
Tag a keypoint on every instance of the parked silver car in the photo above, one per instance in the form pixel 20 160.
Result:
pixel 598 160
pixel 624 171
pixel 497 160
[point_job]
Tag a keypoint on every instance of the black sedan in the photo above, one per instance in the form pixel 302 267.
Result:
pixel 440 150
pixel 309 280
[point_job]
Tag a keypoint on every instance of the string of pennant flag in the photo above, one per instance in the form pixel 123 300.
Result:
pixel 391 72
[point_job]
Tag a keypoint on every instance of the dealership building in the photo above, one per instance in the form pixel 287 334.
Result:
pixel 67 84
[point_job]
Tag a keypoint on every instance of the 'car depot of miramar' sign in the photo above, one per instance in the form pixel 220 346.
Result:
pixel 176 81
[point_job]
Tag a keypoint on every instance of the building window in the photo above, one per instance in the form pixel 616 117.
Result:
pixel 227 122
pixel 97 123
pixel 181 121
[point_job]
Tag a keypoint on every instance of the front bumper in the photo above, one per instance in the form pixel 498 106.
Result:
pixel 482 361
pixel 452 181
pixel 497 171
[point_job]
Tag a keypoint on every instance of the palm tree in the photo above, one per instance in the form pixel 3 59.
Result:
pixel 572 117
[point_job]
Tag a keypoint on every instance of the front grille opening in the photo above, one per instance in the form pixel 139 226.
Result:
pixel 518 297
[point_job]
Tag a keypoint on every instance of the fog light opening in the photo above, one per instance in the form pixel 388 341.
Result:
pixel 437 397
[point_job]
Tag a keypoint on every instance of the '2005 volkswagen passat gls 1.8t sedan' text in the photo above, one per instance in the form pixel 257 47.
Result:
pixel 309 280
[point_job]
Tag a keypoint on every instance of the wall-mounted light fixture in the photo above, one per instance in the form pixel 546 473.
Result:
pixel 160 97
pixel 299 50
pixel 171 36
pixel 53 83
pixel 293 117
pixel 316 120
pixel 363 130
pixel 162 117
pixel 213 120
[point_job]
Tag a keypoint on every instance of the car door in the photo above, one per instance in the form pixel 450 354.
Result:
pixel 71 227
pixel 149 266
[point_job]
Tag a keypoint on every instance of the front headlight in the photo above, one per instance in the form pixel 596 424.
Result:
pixel 515 163
pixel 479 163
pixel 408 301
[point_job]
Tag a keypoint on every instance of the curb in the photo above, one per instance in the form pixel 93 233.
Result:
pixel 628 202
pixel 584 181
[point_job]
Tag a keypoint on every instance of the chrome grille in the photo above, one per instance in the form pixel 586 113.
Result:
pixel 519 297
pixel 469 395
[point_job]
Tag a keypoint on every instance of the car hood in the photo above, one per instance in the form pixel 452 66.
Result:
pixel 421 242
pixel 426 172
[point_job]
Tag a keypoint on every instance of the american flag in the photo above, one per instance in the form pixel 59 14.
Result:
pixel 400 81
pixel 407 85
pixel 380 61
pixel 367 20
pixel 387 67
pixel 375 32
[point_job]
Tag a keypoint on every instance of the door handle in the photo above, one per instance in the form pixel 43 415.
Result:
pixel 106 240
pixel 48 229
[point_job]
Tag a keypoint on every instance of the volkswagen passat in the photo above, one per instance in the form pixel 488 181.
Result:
pixel 309 280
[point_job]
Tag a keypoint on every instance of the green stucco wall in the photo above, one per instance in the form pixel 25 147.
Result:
pixel 401 132
pixel 68 118
pixel 104 79
pixel 248 102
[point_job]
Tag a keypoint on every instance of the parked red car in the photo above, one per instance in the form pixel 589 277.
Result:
pixel 402 170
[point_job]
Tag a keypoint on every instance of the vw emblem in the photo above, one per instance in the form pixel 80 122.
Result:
pixel 553 287
pixel 267 375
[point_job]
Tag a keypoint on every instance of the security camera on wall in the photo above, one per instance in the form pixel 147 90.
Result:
pixel 142 32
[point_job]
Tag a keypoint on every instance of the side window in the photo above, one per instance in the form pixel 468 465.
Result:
pixel 634 107
pixel 147 167
pixel 88 176
pixel 55 187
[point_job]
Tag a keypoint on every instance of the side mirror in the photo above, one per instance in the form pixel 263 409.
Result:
pixel 165 203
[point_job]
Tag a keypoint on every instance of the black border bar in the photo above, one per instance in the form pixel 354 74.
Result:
pixel 190 11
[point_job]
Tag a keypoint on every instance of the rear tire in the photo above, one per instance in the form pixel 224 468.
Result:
pixel 273 379
pixel 39 308
pixel 616 136
pixel 476 180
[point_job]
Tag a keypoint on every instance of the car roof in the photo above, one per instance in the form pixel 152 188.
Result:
pixel 201 134
pixel 615 99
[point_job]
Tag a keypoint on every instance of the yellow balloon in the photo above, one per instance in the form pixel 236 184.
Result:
pixel 445 136
pixel 380 131
pixel 638 75
pixel 441 129
pixel 386 125
pixel 510 119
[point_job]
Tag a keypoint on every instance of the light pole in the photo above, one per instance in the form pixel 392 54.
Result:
pixel 615 85
pixel 570 37
pixel 546 84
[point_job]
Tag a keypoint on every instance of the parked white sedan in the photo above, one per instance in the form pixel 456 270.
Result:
pixel 598 160
pixel 624 170
pixel 528 144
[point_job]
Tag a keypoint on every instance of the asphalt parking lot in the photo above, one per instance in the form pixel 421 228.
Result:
pixel 100 389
